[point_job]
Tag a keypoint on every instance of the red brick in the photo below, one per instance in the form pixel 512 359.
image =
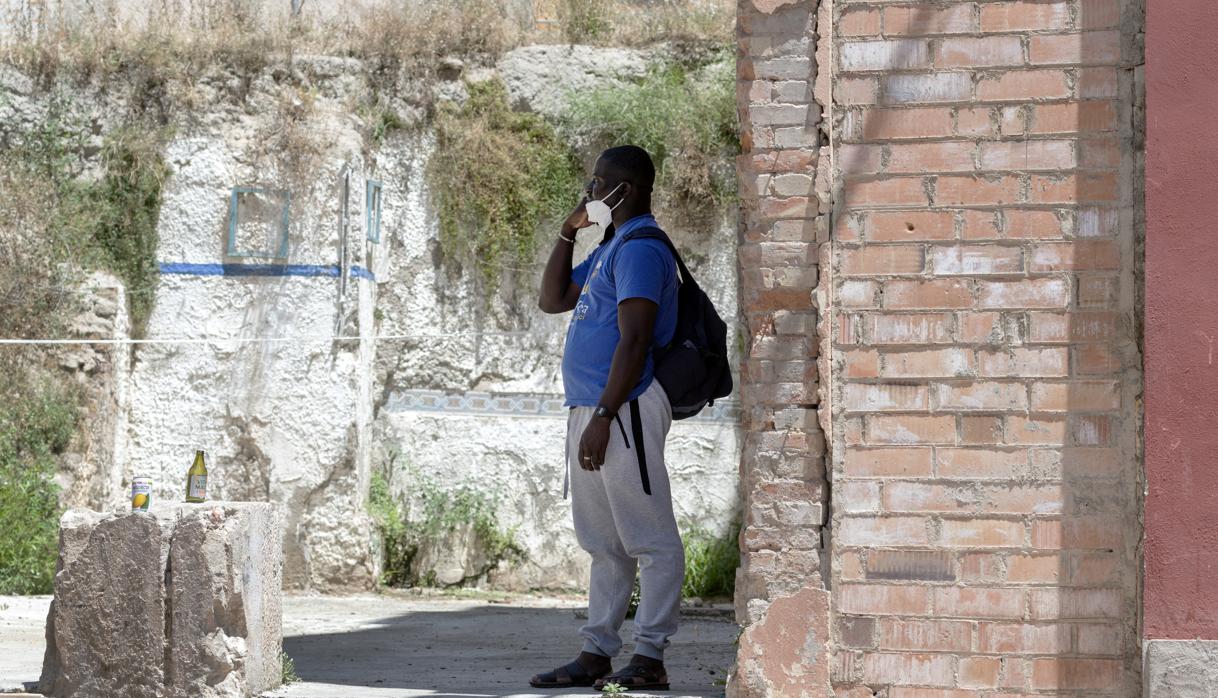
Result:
pixel 1087 48
pixel 1022 16
pixel 981 533
pixel 877 260
pixel 1081 255
pixel 981 224
pixel 1076 674
pixel 908 429
pixel 858 23
pixel 900 54
pixel 1024 86
pixel 1029 293
pixel 988 396
pixel 976 463
pixel 923 20
pixel 1044 569
pixel 1065 603
pixel 1076 396
pixel 1096 638
pixel 980 328
pixel 1027 155
pixel 792 207
pixel 1068 189
pixel 1092 116
pixel 980 430
pixel 923 328
pixel 979 672
pixel 1097 292
pixel 1099 153
pixel 901 226
pixel 888 462
pixel 1023 638
pixel 849 565
pixel 908 692
pixel 1028 430
pixel 896 191
pixel 976 260
pixel 916 122
pixel 975 122
pixel 1099 14
pixel 847 91
pixel 940 293
pixel 882 599
pixel 979 52
pixel 858 496
pixel 860 159
pixel 925 635
pixel 864 397
pixel 857 293
pixel 973 602
pixel 1022 362
pixel 980 567
pixel 861 363
pixel 924 669
pixel 1073 327
pixel 935 363
pixel 1095 359
pixel 976 191
pixel 1025 225
pixel 1097 82
pixel 953 156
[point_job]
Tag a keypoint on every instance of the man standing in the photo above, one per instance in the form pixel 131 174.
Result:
pixel 625 300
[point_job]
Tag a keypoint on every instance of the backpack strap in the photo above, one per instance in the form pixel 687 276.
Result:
pixel 653 233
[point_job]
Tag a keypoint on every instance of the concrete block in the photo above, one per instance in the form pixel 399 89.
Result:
pixel 1180 669
pixel 183 601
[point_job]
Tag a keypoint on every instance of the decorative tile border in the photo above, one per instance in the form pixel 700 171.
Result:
pixel 521 405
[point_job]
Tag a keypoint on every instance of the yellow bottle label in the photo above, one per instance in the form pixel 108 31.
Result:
pixel 197 489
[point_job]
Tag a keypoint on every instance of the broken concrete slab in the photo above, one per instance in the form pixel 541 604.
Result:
pixel 1180 668
pixel 182 601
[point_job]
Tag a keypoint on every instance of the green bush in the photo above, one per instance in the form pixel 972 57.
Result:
pixel 37 420
pixel 684 116
pixel 496 175
pixel 436 511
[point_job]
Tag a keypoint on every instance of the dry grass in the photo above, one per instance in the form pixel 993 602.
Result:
pixel 181 39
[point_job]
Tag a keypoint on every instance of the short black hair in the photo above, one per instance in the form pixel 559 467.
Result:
pixel 633 163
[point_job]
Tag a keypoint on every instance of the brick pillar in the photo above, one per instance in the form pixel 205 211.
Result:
pixel 985 463
pixel 780 594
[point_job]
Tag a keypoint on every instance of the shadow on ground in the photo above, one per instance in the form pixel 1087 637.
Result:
pixel 378 647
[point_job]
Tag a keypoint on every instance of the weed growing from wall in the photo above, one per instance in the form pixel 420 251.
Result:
pixel 684 116
pixel 710 563
pixel 106 221
pixel 496 175
pixel 431 513
pixel 38 417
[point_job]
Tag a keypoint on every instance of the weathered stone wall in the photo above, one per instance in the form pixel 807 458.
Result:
pixel 982 286
pixel 240 359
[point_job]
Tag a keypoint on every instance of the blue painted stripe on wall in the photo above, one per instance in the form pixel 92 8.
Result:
pixel 260 270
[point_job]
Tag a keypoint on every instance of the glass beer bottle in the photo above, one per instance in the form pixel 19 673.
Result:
pixel 196 480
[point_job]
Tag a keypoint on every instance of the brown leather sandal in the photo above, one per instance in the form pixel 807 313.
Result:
pixel 570 674
pixel 636 676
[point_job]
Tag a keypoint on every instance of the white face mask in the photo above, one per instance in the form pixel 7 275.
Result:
pixel 600 212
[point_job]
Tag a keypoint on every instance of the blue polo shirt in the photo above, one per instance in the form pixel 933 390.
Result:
pixel 614 272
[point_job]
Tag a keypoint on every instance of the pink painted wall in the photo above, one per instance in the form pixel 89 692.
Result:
pixel 1181 342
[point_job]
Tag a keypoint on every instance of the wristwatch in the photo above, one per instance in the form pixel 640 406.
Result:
pixel 602 411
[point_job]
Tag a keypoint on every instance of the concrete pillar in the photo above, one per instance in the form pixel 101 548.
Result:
pixel 1180 595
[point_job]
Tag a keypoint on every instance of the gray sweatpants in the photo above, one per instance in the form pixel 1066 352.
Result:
pixel 623 518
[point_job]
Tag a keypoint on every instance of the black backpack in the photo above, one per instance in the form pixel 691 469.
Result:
pixel 693 368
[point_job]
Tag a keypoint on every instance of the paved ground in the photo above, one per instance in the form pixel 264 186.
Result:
pixel 380 646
